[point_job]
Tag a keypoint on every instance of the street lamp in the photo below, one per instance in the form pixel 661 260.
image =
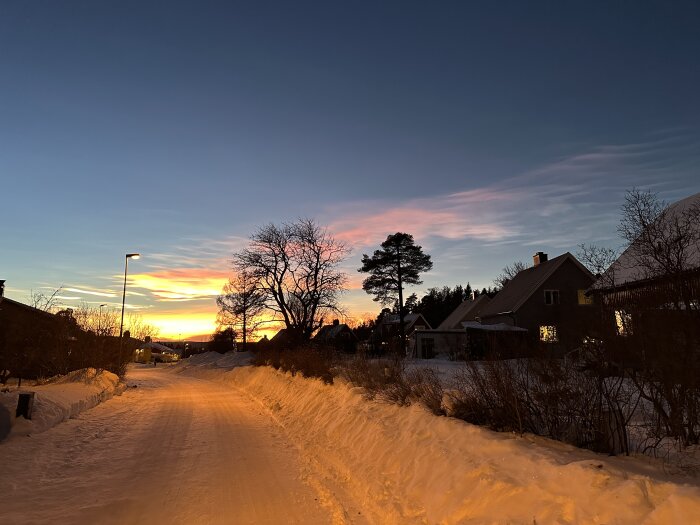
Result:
pixel 121 325
pixel 99 320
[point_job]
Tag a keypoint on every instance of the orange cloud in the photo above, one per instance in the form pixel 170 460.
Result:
pixel 181 284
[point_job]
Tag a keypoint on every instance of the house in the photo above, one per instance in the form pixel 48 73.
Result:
pixel 31 342
pixel 387 330
pixel 337 335
pixel 450 337
pixel 281 339
pixel 548 300
pixel 156 351
pixel 656 282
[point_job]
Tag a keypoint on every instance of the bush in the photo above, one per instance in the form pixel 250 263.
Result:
pixel 426 388
pixel 548 397
pixel 307 360
pixel 389 380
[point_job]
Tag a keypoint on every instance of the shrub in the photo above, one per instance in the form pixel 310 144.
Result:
pixel 307 360
pixel 547 397
pixel 426 388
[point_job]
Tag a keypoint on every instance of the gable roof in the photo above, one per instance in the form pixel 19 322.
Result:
pixel 625 270
pixel 282 335
pixel 467 311
pixel 331 331
pixel 521 287
pixel 408 320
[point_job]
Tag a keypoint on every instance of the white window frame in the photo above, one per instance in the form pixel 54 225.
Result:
pixel 552 294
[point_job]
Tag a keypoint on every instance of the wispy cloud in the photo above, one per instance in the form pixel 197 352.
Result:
pixel 467 214
pixel 98 293
pixel 569 200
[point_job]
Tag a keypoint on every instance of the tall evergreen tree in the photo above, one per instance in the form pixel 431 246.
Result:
pixel 399 262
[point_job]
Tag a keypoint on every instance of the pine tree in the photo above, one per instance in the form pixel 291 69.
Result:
pixel 399 262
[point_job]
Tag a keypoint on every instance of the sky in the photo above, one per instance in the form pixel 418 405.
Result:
pixel 488 130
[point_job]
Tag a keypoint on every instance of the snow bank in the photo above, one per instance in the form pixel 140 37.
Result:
pixel 210 365
pixel 62 398
pixel 405 465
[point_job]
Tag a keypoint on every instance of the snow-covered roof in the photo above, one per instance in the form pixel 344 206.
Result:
pixel 625 269
pixel 161 348
pixel 408 320
pixel 497 327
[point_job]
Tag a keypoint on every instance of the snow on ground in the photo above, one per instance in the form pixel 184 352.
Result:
pixel 405 465
pixel 61 398
pixel 172 450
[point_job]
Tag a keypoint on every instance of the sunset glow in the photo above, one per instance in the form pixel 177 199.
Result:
pixel 184 284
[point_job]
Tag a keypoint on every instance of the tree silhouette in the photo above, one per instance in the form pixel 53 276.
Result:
pixel 241 305
pixel 296 268
pixel 399 261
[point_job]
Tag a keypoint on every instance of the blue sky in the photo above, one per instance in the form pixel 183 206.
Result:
pixel 175 128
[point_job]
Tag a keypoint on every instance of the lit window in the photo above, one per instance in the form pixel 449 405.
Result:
pixel 623 323
pixel 584 299
pixel 551 297
pixel 548 334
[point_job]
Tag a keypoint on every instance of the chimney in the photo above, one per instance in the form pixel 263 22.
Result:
pixel 2 287
pixel 336 322
pixel 538 258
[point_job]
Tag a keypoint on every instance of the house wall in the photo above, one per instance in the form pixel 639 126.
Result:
pixel 428 344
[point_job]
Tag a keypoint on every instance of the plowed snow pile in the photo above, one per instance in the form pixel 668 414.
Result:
pixel 61 398
pixel 405 465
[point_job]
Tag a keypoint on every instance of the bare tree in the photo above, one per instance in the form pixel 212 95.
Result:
pixel 663 241
pixel 98 320
pixel 296 267
pixel 508 272
pixel 138 328
pixel 44 302
pixel 241 305
pixel 599 259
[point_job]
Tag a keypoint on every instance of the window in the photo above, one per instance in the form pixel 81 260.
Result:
pixel 623 323
pixel 584 299
pixel 551 297
pixel 548 334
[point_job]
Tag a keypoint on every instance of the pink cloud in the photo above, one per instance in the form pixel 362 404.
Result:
pixel 468 214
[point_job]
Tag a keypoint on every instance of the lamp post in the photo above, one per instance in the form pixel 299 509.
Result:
pixel 121 325
pixel 99 320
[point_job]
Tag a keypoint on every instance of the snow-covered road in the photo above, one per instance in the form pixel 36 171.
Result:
pixel 173 450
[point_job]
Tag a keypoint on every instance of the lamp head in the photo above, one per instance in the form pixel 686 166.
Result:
pixel 133 255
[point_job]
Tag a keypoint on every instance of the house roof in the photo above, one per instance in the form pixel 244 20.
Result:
pixel 408 320
pixel 280 336
pixel 331 331
pixel 12 302
pixel 498 327
pixel 160 348
pixel 526 282
pixel 625 270
pixel 467 311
